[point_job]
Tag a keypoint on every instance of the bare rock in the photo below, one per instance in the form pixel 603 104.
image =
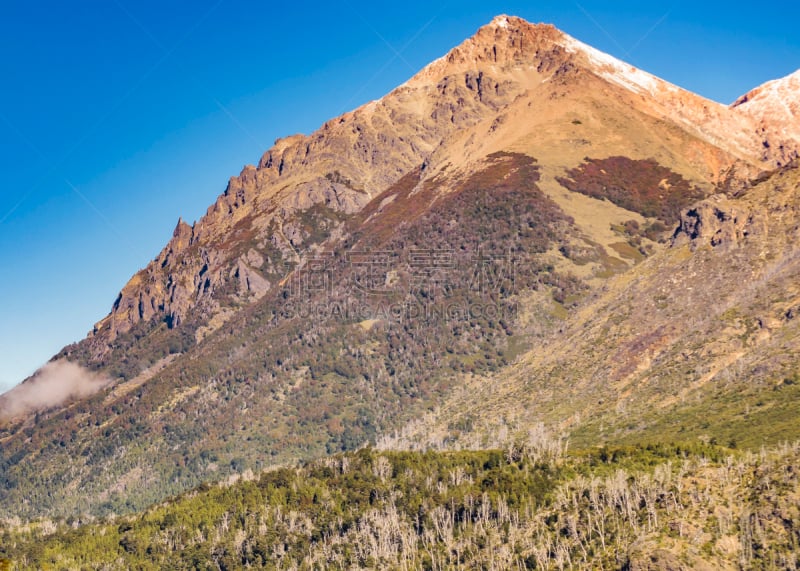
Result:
pixel 254 258
pixel 250 281
pixel 717 222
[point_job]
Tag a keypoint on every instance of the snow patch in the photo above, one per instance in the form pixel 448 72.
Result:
pixel 776 91
pixel 616 71
pixel 776 102
pixel 501 22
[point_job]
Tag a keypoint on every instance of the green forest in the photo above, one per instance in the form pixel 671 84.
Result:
pixel 532 505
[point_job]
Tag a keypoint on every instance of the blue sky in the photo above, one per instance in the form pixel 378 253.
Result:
pixel 117 117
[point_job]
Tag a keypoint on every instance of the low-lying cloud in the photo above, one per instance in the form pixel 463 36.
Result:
pixel 52 385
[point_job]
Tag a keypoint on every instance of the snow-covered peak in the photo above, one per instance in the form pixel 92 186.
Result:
pixel 500 21
pixel 781 94
pixel 775 107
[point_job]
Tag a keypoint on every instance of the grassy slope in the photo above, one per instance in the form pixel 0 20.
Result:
pixel 689 344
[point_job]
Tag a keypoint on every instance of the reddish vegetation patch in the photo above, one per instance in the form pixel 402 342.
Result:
pixel 642 186
pixel 394 209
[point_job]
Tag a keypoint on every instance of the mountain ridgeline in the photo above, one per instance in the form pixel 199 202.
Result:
pixel 527 231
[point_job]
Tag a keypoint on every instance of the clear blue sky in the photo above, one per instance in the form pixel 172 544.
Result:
pixel 118 116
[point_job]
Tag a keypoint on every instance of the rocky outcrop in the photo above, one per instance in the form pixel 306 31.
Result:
pixel 249 279
pixel 718 222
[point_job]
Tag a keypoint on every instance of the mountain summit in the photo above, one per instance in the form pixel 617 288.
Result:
pixel 775 106
pixel 525 219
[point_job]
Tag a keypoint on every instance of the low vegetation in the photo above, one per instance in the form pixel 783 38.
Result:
pixel 642 186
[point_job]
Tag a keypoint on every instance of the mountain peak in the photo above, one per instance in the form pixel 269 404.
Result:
pixel 505 40
pixel 512 40
pixel 775 106
pixel 784 90
pixel 500 21
pixel 514 26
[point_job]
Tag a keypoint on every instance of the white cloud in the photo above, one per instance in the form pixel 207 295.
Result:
pixel 50 386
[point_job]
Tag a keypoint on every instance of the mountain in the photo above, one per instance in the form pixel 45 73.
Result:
pixel 353 158
pixel 524 219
